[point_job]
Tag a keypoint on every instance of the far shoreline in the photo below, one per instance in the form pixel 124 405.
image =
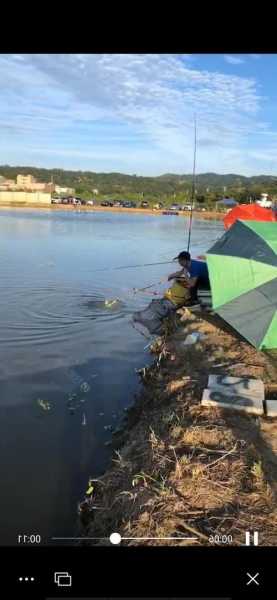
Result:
pixel 207 215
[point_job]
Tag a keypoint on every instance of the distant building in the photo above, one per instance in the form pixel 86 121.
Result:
pixel 25 181
pixel 95 191
pixel 265 201
pixel 227 203
pixel 29 183
pixel 7 184
pixel 64 190
pixel 24 198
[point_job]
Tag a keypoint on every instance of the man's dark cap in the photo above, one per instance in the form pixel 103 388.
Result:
pixel 183 256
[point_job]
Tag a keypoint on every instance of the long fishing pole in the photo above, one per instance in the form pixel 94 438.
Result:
pixel 167 262
pixel 135 290
pixel 193 185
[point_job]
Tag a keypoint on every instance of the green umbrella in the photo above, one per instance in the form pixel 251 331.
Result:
pixel 243 275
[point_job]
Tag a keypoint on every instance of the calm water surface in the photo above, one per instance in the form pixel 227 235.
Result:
pixel 67 361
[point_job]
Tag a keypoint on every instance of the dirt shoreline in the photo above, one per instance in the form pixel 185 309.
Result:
pixel 208 215
pixel 180 469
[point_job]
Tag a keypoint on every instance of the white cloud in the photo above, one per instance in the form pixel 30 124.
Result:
pixel 233 60
pixel 154 97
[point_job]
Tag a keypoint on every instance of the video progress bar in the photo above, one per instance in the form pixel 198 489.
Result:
pixel 115 538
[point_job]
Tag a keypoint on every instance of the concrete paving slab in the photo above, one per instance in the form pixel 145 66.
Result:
pixel 271 408
pixel 252 405
pixel 241 386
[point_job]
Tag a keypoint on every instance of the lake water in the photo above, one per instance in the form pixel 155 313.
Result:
pixel 57 338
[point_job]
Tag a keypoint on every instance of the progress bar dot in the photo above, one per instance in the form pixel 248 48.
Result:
pixel 115 538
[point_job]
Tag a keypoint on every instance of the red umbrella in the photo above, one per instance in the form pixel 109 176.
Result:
pixel 248 212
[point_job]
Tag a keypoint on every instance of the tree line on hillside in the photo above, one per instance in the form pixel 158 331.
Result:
pixel 210 187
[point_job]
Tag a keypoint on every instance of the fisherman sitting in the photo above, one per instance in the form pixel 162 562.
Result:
pixel 174 297
pixel 192 272
pixel 198 275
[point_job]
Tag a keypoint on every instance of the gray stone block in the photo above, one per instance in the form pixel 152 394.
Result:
pixel 271 408
pixel 241 386
pixel 247 404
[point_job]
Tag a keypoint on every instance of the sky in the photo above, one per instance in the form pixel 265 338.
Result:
pixel 134 113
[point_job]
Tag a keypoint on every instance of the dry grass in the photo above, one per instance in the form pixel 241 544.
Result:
pixel 186 470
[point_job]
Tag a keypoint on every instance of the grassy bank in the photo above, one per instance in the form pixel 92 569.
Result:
pixel 181 469
pixel 212 215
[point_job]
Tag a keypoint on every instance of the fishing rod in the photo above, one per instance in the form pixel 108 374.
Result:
pixel 167 262
pixel 135 290
pixel 193 185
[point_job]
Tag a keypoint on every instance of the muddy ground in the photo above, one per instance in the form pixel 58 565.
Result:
pixel 180 469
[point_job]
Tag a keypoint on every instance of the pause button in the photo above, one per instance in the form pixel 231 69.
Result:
pixel 254 539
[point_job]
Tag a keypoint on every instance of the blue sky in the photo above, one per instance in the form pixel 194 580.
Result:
pixel 134 113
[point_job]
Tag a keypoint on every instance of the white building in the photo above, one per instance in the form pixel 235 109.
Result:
pixel 64 190
pixel 264 201
pixel 95 191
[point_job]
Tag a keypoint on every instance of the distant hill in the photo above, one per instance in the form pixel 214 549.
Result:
pixel 218 180
pixel 168 183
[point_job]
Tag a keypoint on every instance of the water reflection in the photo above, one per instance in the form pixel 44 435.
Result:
pixel 60 330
